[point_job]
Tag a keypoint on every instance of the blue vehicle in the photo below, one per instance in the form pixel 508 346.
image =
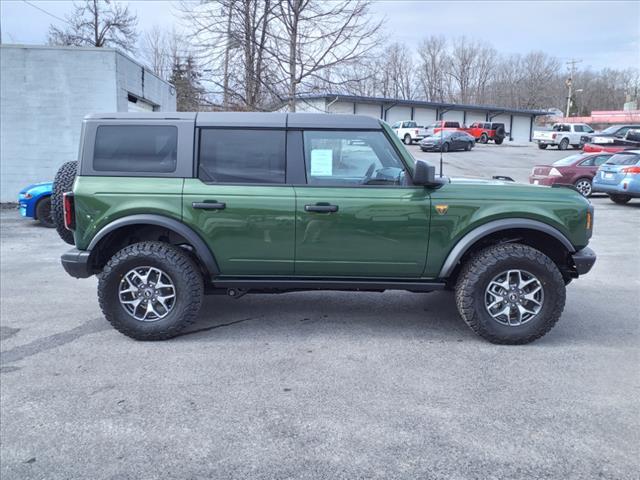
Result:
pixel 619 177
pixel 34 202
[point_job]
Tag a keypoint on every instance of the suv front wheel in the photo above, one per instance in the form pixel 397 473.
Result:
pixel 510 294
pixel 150 291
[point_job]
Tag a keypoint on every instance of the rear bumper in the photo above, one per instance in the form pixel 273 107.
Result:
pixel 76 263
pixel 544 180
pixel 584 260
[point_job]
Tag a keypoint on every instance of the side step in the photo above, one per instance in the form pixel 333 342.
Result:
pixel 376 285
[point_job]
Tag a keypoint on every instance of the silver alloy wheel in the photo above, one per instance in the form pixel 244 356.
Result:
pixel 514 297
pixel 584 187
pixel 147 293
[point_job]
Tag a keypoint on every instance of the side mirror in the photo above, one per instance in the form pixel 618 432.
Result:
pixel 425 174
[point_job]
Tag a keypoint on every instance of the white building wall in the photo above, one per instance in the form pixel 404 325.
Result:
pixel 45 92
pixel 475 117
pixel 341 107
pixel 368 109
pixel 521 128
pixel 424 116
pixel 454 116
pixel 398 113
pixel 142 83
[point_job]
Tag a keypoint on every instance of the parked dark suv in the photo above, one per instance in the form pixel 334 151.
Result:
pixel 168 207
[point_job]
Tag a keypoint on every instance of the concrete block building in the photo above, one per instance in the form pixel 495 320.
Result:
pixel 518 123
pixel 46 91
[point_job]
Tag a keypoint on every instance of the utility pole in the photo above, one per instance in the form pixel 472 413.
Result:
pixel 225 80
pixel 572 70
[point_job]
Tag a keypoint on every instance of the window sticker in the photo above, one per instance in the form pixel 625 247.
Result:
pixel 321 163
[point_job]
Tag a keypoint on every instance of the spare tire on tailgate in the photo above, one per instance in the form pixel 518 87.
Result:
pixel 62 183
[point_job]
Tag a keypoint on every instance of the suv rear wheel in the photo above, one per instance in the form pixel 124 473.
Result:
pixel 150 291
pixel 510 294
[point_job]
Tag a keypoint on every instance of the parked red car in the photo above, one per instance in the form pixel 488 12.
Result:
pixel 485 131
pixel 593 148
pixel 577 170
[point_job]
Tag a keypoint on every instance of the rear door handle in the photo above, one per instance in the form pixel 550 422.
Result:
pixel 321 208
pixel 209 205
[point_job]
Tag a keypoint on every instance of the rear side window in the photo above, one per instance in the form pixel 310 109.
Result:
pixel 242 156
pixel 136 148
pixel 451 125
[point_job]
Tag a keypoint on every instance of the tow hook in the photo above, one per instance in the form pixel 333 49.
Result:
pixel 236 292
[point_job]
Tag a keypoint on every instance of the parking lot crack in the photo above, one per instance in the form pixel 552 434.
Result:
pixel 52 341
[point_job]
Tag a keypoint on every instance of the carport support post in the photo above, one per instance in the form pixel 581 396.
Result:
pixel 511 128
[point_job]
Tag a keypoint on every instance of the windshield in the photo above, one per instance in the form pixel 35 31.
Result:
pixel 624 159
pixel 609 130
pixel 567 160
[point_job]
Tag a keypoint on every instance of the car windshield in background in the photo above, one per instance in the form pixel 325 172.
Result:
pixel 609 130
pixel 567 161
pixel 624 159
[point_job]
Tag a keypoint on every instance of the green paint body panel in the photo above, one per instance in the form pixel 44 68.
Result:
pixel 253 235
pixel 381 231
pixel 101 200
pixel 473 203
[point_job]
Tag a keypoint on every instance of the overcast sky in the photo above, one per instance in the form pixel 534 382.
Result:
pixel 601 34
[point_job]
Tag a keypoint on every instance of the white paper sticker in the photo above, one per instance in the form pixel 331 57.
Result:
pixel 321 163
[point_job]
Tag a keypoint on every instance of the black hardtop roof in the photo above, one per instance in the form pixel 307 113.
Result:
pixel 252 119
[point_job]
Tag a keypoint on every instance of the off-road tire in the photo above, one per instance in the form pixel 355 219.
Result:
pixel 176 263
pixel 542 146
pixel 407 139
pixel 619 199
pixel 43 212
pixel 564 144
pixel 484 138
pixel 498 141
pixel 62 183
pixel 500 134
pixel 480 269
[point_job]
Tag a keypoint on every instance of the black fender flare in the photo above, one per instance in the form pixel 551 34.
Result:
pixel 495 226
pixel 202 250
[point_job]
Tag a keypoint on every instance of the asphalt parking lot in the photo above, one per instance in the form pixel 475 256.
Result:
pixel 322 385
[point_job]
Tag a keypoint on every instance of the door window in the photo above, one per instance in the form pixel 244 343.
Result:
pixel 351 158
pixel 242 156
pixel 578 128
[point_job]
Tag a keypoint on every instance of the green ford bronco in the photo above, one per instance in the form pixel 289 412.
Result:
pixel 166 208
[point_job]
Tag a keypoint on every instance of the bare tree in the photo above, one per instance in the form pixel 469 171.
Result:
pixel 311 37
pixel 100 23
pixel 230 37
pixel 155 51
pixel 432 69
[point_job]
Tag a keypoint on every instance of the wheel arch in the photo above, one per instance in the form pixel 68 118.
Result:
pixel 147 226
pixel 540 235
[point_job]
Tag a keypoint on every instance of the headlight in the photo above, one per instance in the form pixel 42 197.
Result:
pixel 26 196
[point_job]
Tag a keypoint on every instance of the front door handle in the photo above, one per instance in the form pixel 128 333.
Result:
pixel 209 205
pixel 321 208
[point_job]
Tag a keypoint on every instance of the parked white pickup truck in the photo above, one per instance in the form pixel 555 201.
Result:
pixel 409 131
pixel 562 135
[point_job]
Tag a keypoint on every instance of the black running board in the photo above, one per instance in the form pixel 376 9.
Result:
pixel 376 285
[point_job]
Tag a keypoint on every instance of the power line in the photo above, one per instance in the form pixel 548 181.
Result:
pixel 46 12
